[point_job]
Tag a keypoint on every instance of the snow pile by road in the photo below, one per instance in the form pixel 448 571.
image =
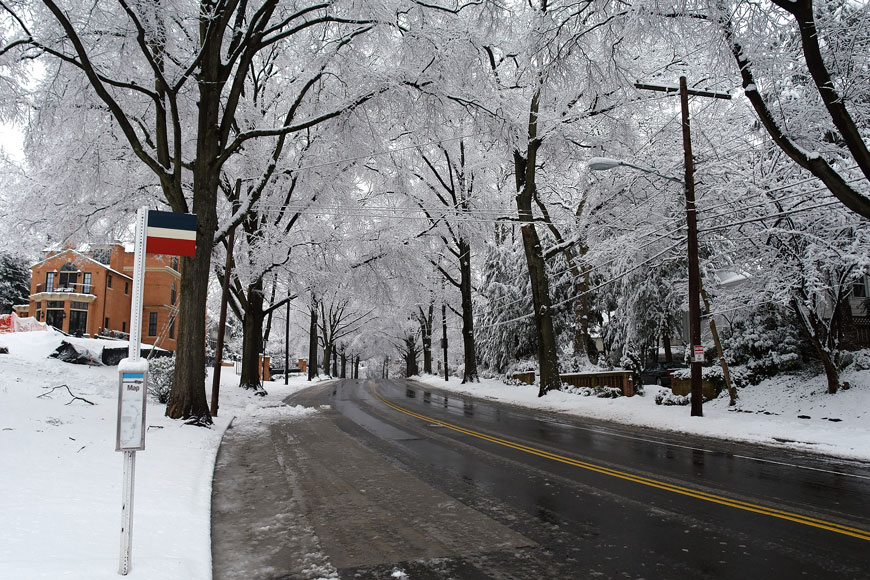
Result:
pixel 60 488
pixel 789 411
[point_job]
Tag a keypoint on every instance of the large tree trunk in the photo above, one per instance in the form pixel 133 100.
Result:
pixel 252 338
pixel 187 399
pixel 426 318
pixel 470 374
pixel 312 342
pixel 327 358
pixel 548 363
pixel 343 364
pixel 411 367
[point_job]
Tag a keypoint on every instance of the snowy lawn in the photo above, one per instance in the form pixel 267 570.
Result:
pixel 785 411
pixel 60 477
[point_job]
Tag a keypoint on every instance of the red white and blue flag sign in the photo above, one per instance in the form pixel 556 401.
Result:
pixel 171 233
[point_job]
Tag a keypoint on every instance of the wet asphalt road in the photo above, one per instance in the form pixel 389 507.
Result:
pixel 603 501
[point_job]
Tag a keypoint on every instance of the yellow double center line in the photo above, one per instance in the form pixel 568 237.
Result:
pixel 734 503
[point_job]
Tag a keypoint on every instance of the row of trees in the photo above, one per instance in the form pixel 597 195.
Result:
pixel 378 160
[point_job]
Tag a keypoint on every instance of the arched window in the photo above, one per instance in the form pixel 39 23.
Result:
pixel 69 275
pixel 173 294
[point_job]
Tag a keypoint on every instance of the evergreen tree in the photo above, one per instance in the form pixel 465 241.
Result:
pixel 14 282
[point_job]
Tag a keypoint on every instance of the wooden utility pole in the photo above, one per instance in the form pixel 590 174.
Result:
pixel 694 267
pixel 692 227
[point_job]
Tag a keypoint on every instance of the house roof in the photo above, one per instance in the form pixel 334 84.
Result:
pixel 82 256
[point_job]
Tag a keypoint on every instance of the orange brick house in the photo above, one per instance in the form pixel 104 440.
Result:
pixel 90 292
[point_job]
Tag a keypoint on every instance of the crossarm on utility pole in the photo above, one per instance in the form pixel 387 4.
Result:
pixel 676 90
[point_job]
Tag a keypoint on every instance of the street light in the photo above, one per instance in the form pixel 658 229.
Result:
pixel 604 164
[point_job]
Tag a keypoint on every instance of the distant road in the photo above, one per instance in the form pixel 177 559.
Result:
pixel 571 498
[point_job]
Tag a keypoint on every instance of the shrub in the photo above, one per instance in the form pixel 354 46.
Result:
pixel 767 342
pixel 858 360
pixel 160 372
pixel 600 392
pixel 667 398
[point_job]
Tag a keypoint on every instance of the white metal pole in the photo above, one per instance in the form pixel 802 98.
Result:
pixel 138 284
pixel 133 355
pixel 127 513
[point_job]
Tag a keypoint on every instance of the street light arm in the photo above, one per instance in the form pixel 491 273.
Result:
pixel 656 173
pixel 606 163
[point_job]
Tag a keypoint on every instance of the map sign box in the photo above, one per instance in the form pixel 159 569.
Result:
pixel 132 396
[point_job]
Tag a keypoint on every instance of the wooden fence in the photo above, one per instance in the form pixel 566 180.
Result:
pixel 622 380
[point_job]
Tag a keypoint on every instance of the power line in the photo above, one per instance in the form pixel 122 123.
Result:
pixel 590 290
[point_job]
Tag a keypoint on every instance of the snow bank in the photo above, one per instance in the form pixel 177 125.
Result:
pixel 789 411
pixel 60 489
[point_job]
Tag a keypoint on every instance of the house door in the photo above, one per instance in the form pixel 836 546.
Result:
pixel 78 322
pixel 54 318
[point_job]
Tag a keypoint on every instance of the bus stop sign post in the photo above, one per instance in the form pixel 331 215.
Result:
pixel 157 232
pixel 132 396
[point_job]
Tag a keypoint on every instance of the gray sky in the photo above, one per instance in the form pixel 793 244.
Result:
pixel 11 141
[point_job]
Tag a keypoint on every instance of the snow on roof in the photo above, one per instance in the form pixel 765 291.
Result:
pixel 82 256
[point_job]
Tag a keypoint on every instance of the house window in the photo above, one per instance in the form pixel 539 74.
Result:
pixel 49 281
pixel 174 263
pixel 152 324
pixel 54 313
pixel 172 327
pixel 123 327
pixel 69 275
pixel 86 283
pixel 126 287
pixel 106 325
pixel 78 318
pixel 39 315
pixel 109 280
pixel 859 289
pixel 173 293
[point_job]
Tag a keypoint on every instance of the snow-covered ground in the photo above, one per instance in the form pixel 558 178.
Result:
pixel 60 478
pixel 785 411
